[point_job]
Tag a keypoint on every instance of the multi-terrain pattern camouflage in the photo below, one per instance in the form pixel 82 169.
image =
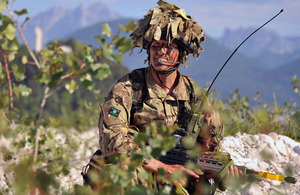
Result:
pixel 116 132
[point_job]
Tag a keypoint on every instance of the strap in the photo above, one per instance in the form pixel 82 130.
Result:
pixel 139 90
pixel 190 88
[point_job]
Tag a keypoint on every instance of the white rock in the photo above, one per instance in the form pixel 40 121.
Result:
pixel 274 136
pixel 252 189
pixel 266 139
pixel 288 141
pixel 281 147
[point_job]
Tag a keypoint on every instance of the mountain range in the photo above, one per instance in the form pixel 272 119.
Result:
pixel 57 22
pixel 266 45
pixel 265 63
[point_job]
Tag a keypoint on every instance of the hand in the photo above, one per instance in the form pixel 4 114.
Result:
pixel 155 164
pixel 234 171
pixel 232 176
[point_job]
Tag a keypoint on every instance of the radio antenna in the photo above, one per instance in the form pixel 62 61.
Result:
pixel 238 48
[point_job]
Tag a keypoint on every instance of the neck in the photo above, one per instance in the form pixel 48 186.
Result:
pixel 170 80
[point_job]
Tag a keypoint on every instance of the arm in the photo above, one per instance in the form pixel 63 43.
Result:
pixel 155 164
pixel 114 132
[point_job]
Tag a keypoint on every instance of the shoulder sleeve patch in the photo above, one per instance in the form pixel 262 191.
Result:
pixel 113 111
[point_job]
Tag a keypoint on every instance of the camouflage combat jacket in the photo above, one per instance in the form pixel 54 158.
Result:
pixel 116 132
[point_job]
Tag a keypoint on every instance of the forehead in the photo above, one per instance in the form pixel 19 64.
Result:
pixel 164 42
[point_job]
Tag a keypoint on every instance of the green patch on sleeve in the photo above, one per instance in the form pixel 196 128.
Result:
pixel 113 111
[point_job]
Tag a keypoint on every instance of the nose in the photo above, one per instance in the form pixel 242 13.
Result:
pixel 162 50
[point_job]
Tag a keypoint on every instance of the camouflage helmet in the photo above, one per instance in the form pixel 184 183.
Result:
pixel 170 23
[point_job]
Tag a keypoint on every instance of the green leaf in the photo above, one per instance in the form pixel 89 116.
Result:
pixel 2 71
pixel 12 56
pixel 3 5
pixel 43 78
pixel 102 72
pixel 17 91
pixel 136 160
pixel 82 190
pixel 143 174
pixel 106 31
pixel 118 40
pixel 50 143
pixel 71 86
pixel 55 79
pixel 19 72
pixel 96 66
pixel 137 190
pixel 107 51
pixel 9 32
pixel 6 20
pixel 88 50
pixel 23 11
pixel 125 47
pixel 156 152
pixel 88 60
pixel 87 82
pixel 118 58
pixel 11 45
pixel 26 19
pixel 101 40
pixel 177 174
pixel 24 59
pixel 129 27
pixel 25 91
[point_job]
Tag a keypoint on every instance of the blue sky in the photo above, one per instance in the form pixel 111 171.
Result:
pixel 213 15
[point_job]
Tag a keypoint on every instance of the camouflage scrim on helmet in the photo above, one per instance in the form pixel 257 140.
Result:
pixel 170 23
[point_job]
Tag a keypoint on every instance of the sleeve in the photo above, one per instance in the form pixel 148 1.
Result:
pixel 114 132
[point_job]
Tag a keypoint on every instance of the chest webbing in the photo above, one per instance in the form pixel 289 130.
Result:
pixel 140 91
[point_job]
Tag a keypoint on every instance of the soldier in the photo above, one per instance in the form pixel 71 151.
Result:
pixel 169 36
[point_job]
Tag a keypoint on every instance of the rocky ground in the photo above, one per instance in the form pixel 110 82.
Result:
pixel 252 151
pixel 248 150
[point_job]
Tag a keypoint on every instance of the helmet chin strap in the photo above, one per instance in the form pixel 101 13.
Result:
pixel 166 72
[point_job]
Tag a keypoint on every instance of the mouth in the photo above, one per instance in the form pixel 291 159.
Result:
pixel 162 60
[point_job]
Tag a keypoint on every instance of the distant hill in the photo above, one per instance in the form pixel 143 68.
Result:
pixel 58 22
pixel 266 45
pixel 87 35
pixel 280 80
pixel 247 74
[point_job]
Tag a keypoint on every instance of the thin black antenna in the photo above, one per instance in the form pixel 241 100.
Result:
pixel 238 48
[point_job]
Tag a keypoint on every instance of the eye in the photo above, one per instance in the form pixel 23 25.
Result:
pixel 173 47
pixel 156 46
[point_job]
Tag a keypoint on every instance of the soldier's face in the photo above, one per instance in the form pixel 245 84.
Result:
pixel 161 51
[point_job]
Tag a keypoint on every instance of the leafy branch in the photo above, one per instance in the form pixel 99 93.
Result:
pixel 58 70
pixel 22 34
